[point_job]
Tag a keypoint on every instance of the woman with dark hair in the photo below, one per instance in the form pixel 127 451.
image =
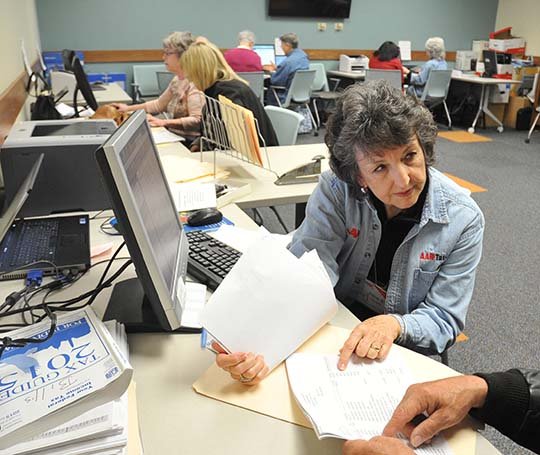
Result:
pixel 387 58
pixel 399 240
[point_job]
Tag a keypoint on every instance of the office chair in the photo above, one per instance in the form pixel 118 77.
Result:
pixel 286 123
pixel 532 94
pixel 320 89
pixel 436 91
pixel 393 77
pixel 256 82
pixel 145 82
pixel 299 93
pixel 164 78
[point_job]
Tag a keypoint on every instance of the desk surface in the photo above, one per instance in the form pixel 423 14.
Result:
pixel 173 418
pixel 111 93
pixel 483 80
pixel 264 192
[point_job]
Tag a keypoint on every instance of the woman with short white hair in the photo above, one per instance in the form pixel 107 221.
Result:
pixel 436 54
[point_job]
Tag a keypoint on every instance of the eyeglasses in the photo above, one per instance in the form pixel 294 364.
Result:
pixel 167 53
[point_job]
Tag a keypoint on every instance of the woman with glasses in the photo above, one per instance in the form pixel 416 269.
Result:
pixel 181 102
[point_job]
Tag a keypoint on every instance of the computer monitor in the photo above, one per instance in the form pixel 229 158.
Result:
pixel 148 220
pixel 266 52
pixel 67 59
pixel 490 63
pixel 83 85
pixel 279 59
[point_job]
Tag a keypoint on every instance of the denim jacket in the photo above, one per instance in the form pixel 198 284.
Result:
pixel 433 270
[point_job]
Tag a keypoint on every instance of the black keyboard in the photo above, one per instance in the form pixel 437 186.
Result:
pixel 209 259
pixel 36 240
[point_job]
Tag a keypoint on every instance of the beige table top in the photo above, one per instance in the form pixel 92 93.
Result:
pixel 264 192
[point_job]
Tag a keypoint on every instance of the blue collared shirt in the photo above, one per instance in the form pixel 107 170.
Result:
pixel 433 270
pixel 296 60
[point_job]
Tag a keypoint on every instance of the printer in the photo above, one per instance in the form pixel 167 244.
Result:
pixel 69 179
pixel 61 80
pixel 353 64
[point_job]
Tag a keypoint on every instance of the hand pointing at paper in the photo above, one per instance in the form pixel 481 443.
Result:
pixel 248 368
pixel 372 338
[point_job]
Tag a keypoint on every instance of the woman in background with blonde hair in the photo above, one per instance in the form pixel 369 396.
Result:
pixel 205 66
pixel 182 102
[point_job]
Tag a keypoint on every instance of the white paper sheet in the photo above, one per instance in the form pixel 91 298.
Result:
pixel 193 196
pixel 270 302
pixel 241 239
pixel 356 403
pixel 405 50
pixel 164 136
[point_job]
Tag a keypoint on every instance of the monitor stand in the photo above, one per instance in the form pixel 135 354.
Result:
pixel 129 305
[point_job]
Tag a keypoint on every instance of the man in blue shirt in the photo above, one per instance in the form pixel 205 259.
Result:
pixel 282 76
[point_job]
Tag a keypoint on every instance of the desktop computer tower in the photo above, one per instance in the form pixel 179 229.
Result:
pixel 69 179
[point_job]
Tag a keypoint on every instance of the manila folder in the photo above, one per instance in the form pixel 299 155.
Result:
pixel 273 397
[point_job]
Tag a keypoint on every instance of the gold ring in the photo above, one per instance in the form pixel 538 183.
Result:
pixel 244 379
pixel 375 348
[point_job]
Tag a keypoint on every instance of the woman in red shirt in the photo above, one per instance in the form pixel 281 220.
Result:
pixel 387 58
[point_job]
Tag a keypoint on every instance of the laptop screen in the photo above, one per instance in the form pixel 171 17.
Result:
pixel 20 198
pixel 279 59
pixel 266 52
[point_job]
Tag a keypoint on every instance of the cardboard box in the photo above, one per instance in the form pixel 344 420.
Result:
pixel 463 60
pixel 503 41
pixel 499 93
pixel 478 46
pixel 519 72
pixel 508 46
pixel 498 111
pixel 514 105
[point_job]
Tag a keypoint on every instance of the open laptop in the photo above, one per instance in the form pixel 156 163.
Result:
pixel 265 52
pixel 48 244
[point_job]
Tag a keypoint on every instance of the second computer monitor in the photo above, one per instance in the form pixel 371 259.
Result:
pixel 83 85
pixel 490 63
pixel 266 53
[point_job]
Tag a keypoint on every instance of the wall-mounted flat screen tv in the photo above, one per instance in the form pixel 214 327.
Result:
pixel 310 8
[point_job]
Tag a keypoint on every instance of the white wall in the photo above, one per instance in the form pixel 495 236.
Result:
pixel 18 21
pixel 524 18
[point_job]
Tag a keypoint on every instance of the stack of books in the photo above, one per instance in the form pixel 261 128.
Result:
pixel 67 395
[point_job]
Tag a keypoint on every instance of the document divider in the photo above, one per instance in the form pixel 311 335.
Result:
pixel 233 130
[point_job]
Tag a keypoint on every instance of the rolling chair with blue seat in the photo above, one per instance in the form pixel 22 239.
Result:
pixel 436 91
pixel 299 93
pixel 320 89
pixel 145 82
pixel 286 123
pixel 255 80
pixel 164 78
pixel 393 77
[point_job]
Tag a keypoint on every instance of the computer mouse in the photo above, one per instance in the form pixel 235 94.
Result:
pixel 204 216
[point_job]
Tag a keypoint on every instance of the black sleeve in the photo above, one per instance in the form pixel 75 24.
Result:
pixel 510 409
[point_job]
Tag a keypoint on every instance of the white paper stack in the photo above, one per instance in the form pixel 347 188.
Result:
pixel 101 430
pixel 270 302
